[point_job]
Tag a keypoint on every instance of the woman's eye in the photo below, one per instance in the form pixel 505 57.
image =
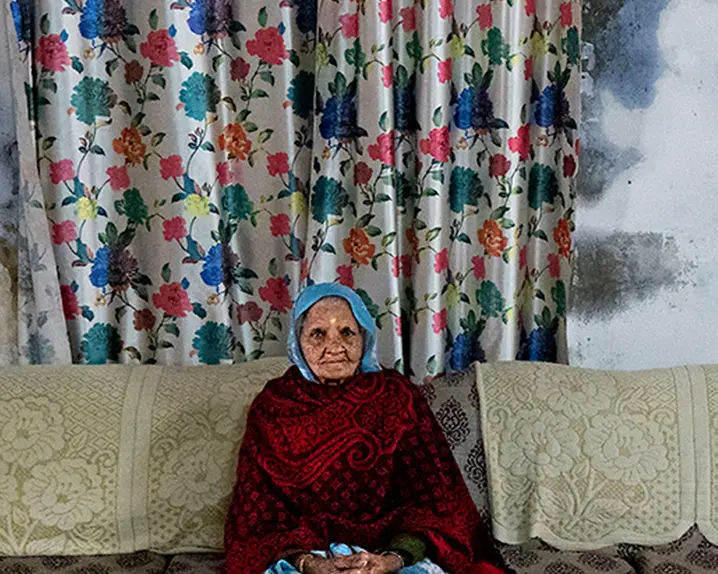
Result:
pixel 347 332
pixel 317 334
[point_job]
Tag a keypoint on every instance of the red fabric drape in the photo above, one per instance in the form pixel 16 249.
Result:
pixel 357 463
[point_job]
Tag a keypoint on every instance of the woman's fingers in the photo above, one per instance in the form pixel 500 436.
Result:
pixel 352 561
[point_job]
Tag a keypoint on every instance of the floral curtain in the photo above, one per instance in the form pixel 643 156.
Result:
pixel 201 160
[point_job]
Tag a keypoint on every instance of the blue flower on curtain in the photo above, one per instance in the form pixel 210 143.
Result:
pixel 539 345
pixel 212 341
pixel 474 109
pixel 405 101
pixel 552 106
pixel 339 119
pixel 211 17
pixel 465 188
pixel 104 19
pixel 22 19
pixel 99 276
pixel 92 98
pixel 213 268
pixel 301 94
pixel 39 349
pixel 200 95
pixel 465 350
pixel 102 343
pixel 306 15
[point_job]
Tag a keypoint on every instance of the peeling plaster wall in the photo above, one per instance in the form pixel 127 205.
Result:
pixel 645 288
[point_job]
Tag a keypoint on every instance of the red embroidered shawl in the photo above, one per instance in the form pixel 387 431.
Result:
pixel 358 464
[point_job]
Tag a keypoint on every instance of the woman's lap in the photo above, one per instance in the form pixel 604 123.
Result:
pixel 423 567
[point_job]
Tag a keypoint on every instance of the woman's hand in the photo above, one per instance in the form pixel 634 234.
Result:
pixel 318 565
pixel 367 563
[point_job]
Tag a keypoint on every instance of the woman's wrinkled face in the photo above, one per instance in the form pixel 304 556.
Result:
pixel 331 341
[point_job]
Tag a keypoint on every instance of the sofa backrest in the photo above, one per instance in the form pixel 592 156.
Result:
pixel 114 459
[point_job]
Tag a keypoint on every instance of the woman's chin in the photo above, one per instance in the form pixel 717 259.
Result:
pixel 336 374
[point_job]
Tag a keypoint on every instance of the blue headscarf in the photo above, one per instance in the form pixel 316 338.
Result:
pixel 311 295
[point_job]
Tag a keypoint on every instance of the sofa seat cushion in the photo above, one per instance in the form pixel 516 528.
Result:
pixel 692 554
pixel 137 563
pixel 536 557
pixel 196 564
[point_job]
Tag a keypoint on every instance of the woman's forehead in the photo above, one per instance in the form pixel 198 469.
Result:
pixel 330 309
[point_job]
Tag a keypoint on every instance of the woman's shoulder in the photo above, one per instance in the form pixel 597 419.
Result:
pixel 282 386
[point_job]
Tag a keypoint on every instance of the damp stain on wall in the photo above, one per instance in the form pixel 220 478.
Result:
pixel 615 271
pixel 628 64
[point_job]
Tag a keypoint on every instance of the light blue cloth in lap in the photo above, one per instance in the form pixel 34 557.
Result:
pixel 426 566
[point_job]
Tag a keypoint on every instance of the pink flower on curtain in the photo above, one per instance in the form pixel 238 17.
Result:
pixel 521 144
pixel 438 321
pixel 441 260
pixel 172 299
pixel 174 229
pixel 346 275
pixel 478 266
pixel 566 15
pixel 52 53
pixel 397 326
pixel 70 304
pixel 119 179
pixel 171 167
pixel 249 312
pixel 445 70
pixel 407 265
pixel 492 238
pixel 160 49
pixel 569 166
pixel 530 7
pixel 350 25
pixel 144 320
pixel 523 256
pixel 486 19
pixel 387 75
pixel 61 171
pixel 412 239
pixel 278 164
pixel 279 225
pixel 408 19
pixel 64 232
pixel 268 45
pixel 383 149
pixel 528 68
pixel 438 144
pixel 499 165
pixel 554 265
pixel 386 10
pixel 362 173
pixel 223 173
pixel 562 237
pixel 275 293
pixel 446 8
pixel 395 266
pixel 239 69
pixel 229 172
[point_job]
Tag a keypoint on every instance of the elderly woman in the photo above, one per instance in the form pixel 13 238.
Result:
pixel 343 467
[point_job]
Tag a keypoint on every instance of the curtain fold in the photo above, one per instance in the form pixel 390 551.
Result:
pixel 201 160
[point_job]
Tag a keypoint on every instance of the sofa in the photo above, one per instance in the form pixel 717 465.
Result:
pixel 129 469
